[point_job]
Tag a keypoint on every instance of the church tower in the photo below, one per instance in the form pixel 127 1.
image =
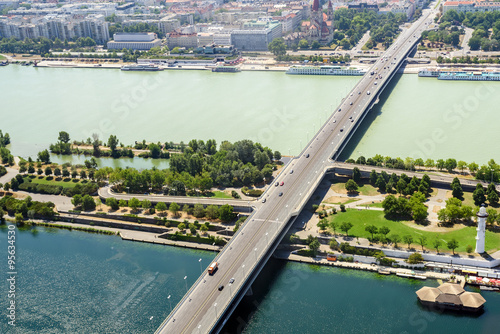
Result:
pixel 330 11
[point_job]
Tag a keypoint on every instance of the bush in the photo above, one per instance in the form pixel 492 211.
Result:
pixel 342 207
pixel 234 194
pixel 415 258
pixel 251 192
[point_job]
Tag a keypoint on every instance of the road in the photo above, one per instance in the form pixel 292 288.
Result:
pixel 105 192
pixel 203 304
pixel 361 42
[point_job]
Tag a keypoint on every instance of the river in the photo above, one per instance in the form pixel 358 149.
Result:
pixel 76 282
pixel 419 117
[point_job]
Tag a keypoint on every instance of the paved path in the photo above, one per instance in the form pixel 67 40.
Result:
pixel 362 42
pixel 11 173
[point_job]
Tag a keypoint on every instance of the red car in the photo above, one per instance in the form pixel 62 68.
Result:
pixel 282 183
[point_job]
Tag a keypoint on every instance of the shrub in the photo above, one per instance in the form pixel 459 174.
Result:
pixel 251 192
pixel 415 258
pixel 342 207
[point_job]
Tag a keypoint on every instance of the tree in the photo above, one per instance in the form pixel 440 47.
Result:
pixel 395 238
pixel 113 143
pixel 473 167
pixel 422 240
pixel 134 203
pixel 83 174
pixel 48 171
pixel 303 44
pixel 356 174
pixel 334 225
pixel 199 211
pixel 345 227
pixel 452 244
pixel 461 165
pixel 174 208
pixel 384 230
pixel 437 243
pixel 314 246
pixel 112 203
pixel 478 195
pixel 475 43
pixel 204 229
pixel 146 204
pixel 57 171
pixel 161 207
pixel 456 187
pixel 351 186
pixel 212 212
pixel 469 249
pixel 122 203
pixel 44 156
pixel 65 172
pixel 88 203
pixel 381 184
pixel 155 150
pixel 192 228
pixel 63 137
pixel 277 155
pixel 374 178
pixel 226 213
pixel 415 258
pixel 408 239
pixel 181 227
pixel 277 47
pixel 450 165
pixel 372 229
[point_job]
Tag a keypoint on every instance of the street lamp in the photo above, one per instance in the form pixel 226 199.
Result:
pixel 243 267
pixel 185 281
pixel 255 253
pixel 201 271
pixel 170 303
pixel 214 248
pixel 267 239
pixel 215 307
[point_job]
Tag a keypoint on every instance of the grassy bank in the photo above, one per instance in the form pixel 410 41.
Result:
pixel 362 218
pixel 76 228
pixel 49 180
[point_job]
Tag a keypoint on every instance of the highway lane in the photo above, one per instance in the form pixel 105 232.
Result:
pixel 200 307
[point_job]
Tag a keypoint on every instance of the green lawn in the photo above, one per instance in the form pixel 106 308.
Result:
pixel 2 57
pixel 66 183
pixel 363 189
pixel 361 218
pixel 351 200
pixel 220 194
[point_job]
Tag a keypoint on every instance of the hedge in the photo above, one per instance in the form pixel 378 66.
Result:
pixel 251 192
pixel 41 188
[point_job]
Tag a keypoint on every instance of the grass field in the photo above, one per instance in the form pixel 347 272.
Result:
pixel 66 183
pixel 361 218
pixel 220 194
pixel 2 57
pixel 363 189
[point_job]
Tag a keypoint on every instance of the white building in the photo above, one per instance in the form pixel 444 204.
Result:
pixel 134 41
pixel 471 6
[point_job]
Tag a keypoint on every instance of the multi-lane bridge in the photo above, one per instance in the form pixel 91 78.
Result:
pixel 208 304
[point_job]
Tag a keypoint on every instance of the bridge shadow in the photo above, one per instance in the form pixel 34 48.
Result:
pixel 251 304
pixel 372 115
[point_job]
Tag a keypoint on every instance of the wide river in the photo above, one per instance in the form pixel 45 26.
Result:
pixel 419 117
pixel 76 282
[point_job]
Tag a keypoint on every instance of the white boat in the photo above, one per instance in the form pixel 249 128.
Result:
pixel 324 70
pixel 141 67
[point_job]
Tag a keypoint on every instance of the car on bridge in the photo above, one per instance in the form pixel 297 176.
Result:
pixel 282 183
pixel 264 200
pixel 277 183
pixel 221 287
pixel 280 194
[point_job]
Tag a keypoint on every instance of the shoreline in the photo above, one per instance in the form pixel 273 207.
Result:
pixel 408 68
pixel 152 238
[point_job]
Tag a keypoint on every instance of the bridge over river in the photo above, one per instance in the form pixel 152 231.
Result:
pixel 205 308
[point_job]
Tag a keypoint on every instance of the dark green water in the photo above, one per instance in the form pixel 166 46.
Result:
pixel 75 282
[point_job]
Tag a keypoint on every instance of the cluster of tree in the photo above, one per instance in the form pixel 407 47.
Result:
pixel 313 244
pixel 446 33
pixel 480 195
pixel 401 207
pixel 454 212
pixel 486 172
pixel 467 60
pixel 63 146
pixel 352 24
pixel 27 207
pixel 138 27
pixel 404 185
pixel 42 45
pixel 482 23
pixel 5 156
pixel 4 139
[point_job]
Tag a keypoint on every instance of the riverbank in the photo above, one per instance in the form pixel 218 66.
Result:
pixel 129 232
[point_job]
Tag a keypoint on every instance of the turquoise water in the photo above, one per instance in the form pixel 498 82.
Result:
pixel 76 282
